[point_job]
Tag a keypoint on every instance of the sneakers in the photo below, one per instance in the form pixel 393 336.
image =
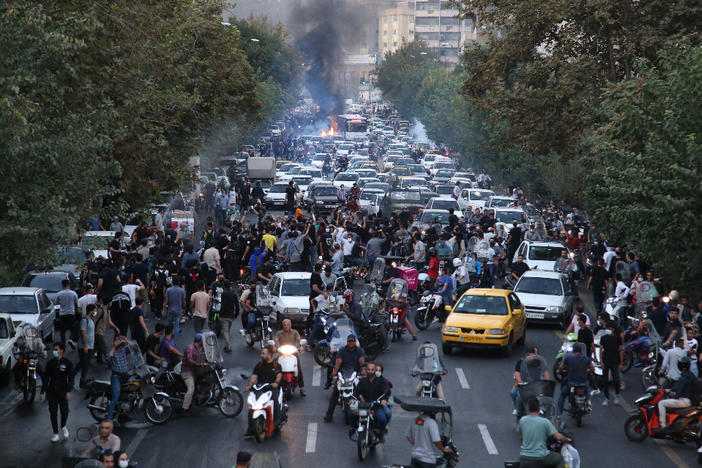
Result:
pixel 64 432
pixel 514 412
pixel 616 400
pixel 55 438
pixel 327 418
pixel 605 402
pixel 622 386
pixel 303 392
pixel 595 392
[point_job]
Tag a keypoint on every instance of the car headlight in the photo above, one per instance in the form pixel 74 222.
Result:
pixel 291 311
pixel 319 202
pixel 554 309
pixel 450 329
pixel 496 331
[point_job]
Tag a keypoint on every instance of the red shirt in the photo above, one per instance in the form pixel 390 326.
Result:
pixel 433 268
pixel 574 243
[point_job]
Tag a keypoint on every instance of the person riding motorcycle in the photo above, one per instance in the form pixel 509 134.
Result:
pixel 683 393
pixel 534 431
pixel 288 336
pixel 400 301
pixel 372 388
pixel 532 368
pixel 461 277
pixel 353 309
pixel 268 371
pixel 190 368
pixel 28 342
pixel 577 364
pixel 419 367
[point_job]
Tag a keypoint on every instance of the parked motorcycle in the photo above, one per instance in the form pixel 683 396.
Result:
pixel 685 424
pixel 262 423
pixel 211 388
pixel 137 394
pixel 395 298
pixel 287 360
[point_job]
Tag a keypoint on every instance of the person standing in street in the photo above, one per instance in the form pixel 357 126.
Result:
pixel 138 329
pixel 57 387
pixel 243 460
pixel 173 306
pixel 199 306
pixel 67 300
pixel 228 312
pixel 86 344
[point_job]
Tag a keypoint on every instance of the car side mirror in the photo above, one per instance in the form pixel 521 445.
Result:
pixel 517 312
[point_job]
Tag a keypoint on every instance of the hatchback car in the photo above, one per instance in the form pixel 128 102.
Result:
pixel 49 281
pixel 30 305
pixel 488 318
pixel 546 296
pixel 290 292
pixel 539 254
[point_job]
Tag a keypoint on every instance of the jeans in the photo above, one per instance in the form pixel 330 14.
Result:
pixel 198 324
pixel 251 322
pixel 420 464
pixel 606 371
pixel 663 405
pixel 317 326
pixel 381 417
pixel 227 330
pixel 54 405
pixel 565 391
pixel 173 318
pixel 514 394
pixel 189 380
pixel 116 384
pixel 552 460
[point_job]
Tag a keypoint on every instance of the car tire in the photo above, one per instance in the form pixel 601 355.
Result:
pixel 446 348
pixel 522 340
pixel 507 350
pixel 5 373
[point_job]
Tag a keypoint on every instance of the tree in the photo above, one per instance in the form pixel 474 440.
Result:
pixel 646 162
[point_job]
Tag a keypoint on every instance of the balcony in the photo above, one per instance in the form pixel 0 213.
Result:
pixel 426 28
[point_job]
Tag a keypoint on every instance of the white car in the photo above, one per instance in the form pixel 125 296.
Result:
pixel 30 305
pixel 276 195
pixel 497 201
pixel 98 242
pixel 8 337
pixel 318 160
pixel 275 130
pixel 444 203
pixel 302 182
pixel 347 179
pixel 407 182
pixel 505 218
pixel 474 198
pixel 540 254
pixel 290 293
pixel 315 173
pixel 344 148
pixel 546 296
pixel 368 197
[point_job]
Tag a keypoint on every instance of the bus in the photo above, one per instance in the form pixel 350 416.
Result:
pixel 352 126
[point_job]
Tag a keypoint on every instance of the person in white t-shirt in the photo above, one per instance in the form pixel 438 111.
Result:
pixel 131 290
pixel 86 299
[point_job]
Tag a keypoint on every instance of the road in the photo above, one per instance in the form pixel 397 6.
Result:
pixel 477 386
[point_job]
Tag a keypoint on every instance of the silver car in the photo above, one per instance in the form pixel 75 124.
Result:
pixel 30 305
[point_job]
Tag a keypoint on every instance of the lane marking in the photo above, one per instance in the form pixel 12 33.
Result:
pixel 674 457
pixel 462 378
pixel 138 439
pixel 317 375
pixel 311 438
pixel 487 440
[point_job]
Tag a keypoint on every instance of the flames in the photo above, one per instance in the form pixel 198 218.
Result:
pixel 333 129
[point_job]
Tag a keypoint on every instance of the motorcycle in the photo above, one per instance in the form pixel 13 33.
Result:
pixel 544 391
pixel 367 436
pixel 685 424
pixel 262 424
pixel 429 369
pixel 577 403
pixel 137 394
pixel 262 330
pixel 29 360
pixel 346 386
pixel 567 347
pixel 211 388
pixel 395 297
pixel 431 307
pixel 287 360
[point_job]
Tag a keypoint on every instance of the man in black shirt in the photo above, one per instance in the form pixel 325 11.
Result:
pixel 372 388
pixel 267 270
pixel 585 334
pixel 611 354
pixel 673 329
pixel 57 387
pixel 108 282
pixel 290 193
pixel 349 359
pixel 268 371
pixel 519 268
pixel 153 344
pixel 658 316
pixel 513 240
pixel 228 312
pixel 599 282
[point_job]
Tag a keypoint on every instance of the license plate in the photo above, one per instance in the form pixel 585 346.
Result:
pixel 470 338
pixel 534 315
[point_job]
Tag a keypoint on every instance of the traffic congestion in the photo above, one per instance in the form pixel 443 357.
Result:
pixel 349 293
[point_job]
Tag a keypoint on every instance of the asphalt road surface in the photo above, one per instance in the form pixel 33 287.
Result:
pixel 477 387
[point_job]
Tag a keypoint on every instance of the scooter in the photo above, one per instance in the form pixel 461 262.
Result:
pixel 685 424
pixel 287 360
pixel 262 421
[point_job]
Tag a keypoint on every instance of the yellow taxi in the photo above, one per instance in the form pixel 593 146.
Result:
pixel 370 166
pixel 485 318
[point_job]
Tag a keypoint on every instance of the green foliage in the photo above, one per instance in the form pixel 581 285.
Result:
pixel 646 162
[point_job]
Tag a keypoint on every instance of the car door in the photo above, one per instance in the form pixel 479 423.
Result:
pixel 274 289
pixel 517 313
pixel 47 314
pixel 568 296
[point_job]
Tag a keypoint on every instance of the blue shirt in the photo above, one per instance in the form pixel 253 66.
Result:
pixel 175 295
pixel 446 280
pixel 338 262
pixel 121 361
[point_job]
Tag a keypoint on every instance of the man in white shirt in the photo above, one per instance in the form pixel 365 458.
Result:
pixel 608 256
pixel 211 257
pixel 131 290
pixel 86 299
pixel 621 291
pixel 671 358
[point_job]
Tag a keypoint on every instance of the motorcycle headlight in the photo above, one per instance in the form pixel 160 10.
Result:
pixel 224 371
pixel 363 412
pixel 287 350
pixel 572 255
pixel 450 329
pixel 496 331
pixel 251 400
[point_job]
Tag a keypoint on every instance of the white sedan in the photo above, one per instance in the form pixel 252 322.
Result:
pixel 444 203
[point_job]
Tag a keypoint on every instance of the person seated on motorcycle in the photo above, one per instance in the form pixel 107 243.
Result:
pixel 564 264
pixel 425 437
pixel 416 370
pixel 444 287
pixel 671 358
pixel 433 270
pixel 577 365
pixel 28 342
pixel 372 388
pixel 289 336
pixel 443 248
pixel 518 269
pixel 534 431
pixel 353 309
pixel 267 371
pixel 122 363
pixel 391 272
pixel 532 368
pixel 105 440
pixel 461 276
pixel 192 365
pixel 267 270
pixel 401 304
pixel 348 359
pixel 683 393
pixel 673 329
pixel 247 302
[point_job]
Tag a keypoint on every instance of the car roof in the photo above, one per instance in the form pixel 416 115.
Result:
pixel 435 211
pixel 99 233
pixel 18 291
pixel 294 275
pixel 445 197
pixel 542 274
pixel 47 273
pixel 488 292
pixel 546 244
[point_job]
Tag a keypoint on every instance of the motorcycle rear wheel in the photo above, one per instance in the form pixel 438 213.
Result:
pixel 102 401
pixel 635 428
pixel 423 320
pixel 230 402
pixel 322 355
pixel 362 446
pixel 627 362
pixel 29 388
pixel 260 430
pixel 158 409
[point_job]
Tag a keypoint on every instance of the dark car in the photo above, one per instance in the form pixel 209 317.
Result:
pixel 399 199
pixel 49 281
pixel 323 198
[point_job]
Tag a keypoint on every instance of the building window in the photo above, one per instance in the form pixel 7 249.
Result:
pixel 385 44
pixel 411 32
pixel 394 44
pixel 411 19
pixel 385 32
pixel 385 20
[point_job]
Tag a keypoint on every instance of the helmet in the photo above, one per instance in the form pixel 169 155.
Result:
pixel 198 337
pixel 457 262
pixel 348 293
pixel 674 295
pixel 432 252
pixel 684 364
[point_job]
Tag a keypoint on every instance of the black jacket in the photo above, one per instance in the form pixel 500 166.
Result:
pixel 372 390
pixel 58 378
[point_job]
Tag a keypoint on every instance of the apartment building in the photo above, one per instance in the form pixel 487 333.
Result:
pixel 437 24
pixel 395 26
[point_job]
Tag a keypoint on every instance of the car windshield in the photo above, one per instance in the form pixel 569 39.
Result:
pixel 96 242
pixel 540 252
pixel 444 173
pixel 409 196
pixel 49 283
pixel 353 177
pixel 478 195
pixel 428 216
pixel 547 286
pixel 500 202
pixel 13 304
pixel 445 190
pixel 296 287
pixel 483 305
pixel 278 188
pixel 313 173
pixel 402 171
pixel 378 185
pixel 324 191
pixel 302 180
pixel 444 204
pixel 509 216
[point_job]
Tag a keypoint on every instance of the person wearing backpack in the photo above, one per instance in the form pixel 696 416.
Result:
pixel 159 283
